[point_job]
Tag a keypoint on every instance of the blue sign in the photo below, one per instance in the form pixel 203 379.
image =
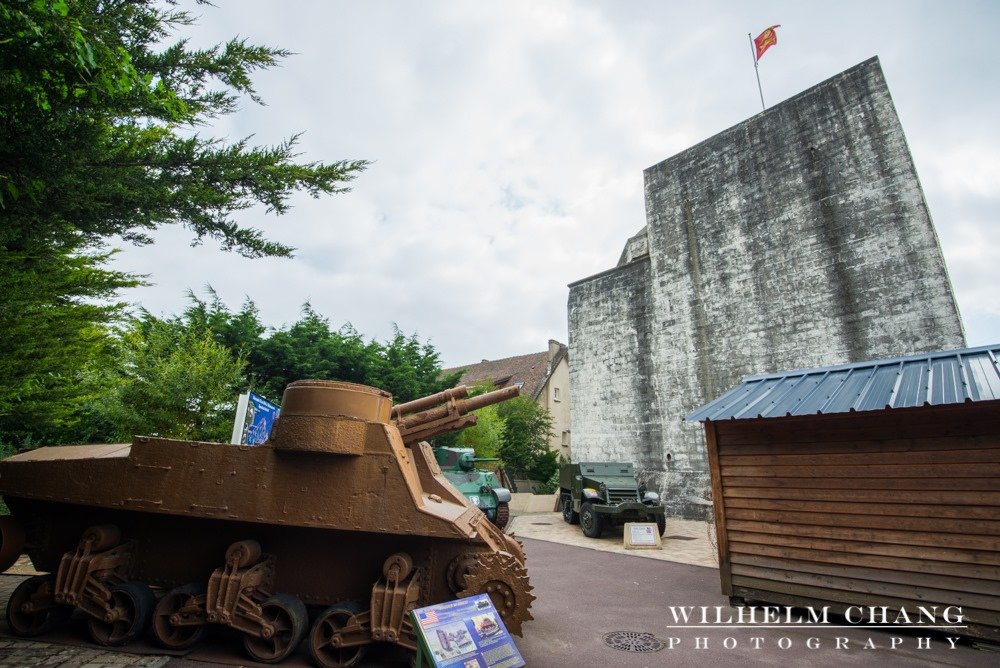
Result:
pixel 467 633
pixel 260 417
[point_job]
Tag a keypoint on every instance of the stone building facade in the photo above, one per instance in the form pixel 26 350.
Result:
pixel 798 238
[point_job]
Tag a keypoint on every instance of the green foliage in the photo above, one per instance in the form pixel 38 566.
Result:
pixel 309 349
pixel 6 450
pixel 486 436
pixel 517 431
pixel 241 332
pixel 96 139
pixel 180 376
pixel 101 107
pixel 525 446
pixel 544 465
pixel 407 367
pixel 52 331
pixel 173 379
pixel 403 366
pixel 550 486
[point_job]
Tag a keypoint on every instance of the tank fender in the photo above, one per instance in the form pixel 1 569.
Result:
pixel 502 494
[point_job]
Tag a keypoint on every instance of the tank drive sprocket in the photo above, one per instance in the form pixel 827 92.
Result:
pixel 505 579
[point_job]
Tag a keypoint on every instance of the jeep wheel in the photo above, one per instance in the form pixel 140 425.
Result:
pixel 590 521
pixel 661 524
pixel 569 515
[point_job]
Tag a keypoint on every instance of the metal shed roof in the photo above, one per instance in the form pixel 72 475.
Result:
pixel 948 377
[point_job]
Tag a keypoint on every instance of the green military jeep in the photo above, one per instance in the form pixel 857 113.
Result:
pixel 600 494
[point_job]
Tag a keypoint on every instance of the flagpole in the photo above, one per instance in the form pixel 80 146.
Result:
pixel 753 52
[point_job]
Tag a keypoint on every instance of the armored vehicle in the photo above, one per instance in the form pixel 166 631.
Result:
pixel 480 487
pixel 600 494
pixel 342 517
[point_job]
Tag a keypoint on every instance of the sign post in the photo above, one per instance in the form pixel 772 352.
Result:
pixel 466 633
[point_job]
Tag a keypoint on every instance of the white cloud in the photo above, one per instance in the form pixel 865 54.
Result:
pixel 509 141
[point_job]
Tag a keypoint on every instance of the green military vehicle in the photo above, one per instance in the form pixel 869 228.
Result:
pixel 480 487
pixel 600 494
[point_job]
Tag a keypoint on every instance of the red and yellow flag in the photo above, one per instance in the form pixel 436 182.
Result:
pixel 765 40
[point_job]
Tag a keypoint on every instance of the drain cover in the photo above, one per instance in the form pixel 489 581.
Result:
pixel 542 524
pixel 633 641
pixel 680 538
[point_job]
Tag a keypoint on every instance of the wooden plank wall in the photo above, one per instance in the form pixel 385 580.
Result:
pixel 896 508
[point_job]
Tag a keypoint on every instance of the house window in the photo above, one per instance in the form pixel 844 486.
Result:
pixel 555 394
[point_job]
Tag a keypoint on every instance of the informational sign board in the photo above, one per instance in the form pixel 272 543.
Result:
pixel 254 419
pixel 642 536
pixel 467 633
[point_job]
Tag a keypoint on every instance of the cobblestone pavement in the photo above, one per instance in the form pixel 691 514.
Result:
pixel 30 653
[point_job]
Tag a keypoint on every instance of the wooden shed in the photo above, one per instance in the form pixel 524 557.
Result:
pixel 871 484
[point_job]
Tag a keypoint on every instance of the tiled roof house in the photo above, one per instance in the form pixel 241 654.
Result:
pixel 542 376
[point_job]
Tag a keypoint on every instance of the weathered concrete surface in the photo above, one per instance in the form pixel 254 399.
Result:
pixel 685 541
pixel 525 502
pixel 797 238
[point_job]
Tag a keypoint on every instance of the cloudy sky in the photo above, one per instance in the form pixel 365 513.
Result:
pixel 508 141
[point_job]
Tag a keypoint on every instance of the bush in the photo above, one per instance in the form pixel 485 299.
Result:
pixel 550 486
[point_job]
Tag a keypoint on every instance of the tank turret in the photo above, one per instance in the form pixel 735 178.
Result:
pixel 344 517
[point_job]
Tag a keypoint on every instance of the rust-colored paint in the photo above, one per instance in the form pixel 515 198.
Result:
pixel 341 505
pixel 418 421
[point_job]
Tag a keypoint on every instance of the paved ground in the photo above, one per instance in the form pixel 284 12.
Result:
pixel 684 541
pixel 586 589
pixel 584 594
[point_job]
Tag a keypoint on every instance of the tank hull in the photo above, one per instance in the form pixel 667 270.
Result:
pixel 335 510
pixel 323 566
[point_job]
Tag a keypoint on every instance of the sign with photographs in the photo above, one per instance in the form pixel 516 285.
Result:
pixel 255 417
pixel 467 633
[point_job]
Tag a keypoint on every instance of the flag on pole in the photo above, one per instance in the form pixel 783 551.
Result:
pixel 765 41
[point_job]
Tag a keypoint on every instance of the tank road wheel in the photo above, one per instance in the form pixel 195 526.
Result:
pixel 503 515
pixel 459 567
pixel 243 553
pixel 570 516
pixel 287 620
pixel 324 634
pixel 32 611
pixel 590 521
pixel 131 606
pixel 397 567
pixel 102 537
pixel 180 605
pixel 505 579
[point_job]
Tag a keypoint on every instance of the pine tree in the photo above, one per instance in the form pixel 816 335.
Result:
pixel 99 140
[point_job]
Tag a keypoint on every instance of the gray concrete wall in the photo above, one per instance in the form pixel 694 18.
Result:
pixel 798 238
pixel 613 382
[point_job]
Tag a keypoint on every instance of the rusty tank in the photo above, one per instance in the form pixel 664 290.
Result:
pixel 332 531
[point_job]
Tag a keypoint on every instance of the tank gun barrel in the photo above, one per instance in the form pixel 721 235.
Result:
pixel 444 412
pixel 423 403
